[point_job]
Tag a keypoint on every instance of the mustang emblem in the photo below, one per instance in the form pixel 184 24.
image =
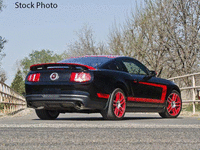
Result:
pixel 54 76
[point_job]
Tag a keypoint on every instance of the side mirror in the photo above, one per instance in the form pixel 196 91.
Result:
pixel 152 73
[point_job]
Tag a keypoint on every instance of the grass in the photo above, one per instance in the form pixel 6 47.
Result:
pixel 190 107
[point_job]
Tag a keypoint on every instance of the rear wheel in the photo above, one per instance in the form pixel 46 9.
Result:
pixel 46 114
pixel 116 107
pixel 173 105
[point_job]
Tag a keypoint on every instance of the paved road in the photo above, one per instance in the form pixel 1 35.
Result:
pixel 90 131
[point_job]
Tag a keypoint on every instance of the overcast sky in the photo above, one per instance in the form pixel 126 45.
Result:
pixel 28 29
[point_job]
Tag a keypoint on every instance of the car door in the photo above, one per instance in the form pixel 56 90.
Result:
pixel 144 92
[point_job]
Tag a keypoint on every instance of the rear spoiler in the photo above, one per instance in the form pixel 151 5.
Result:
pixel 45 66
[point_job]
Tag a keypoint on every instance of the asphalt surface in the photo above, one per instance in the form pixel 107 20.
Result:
pixel 90 131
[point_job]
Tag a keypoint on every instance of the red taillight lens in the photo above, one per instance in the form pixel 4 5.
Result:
pixel 34 77
pixel 80 77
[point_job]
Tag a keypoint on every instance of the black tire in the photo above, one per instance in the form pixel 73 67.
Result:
pixel 115 109
pixel 173 105
pixel 46 114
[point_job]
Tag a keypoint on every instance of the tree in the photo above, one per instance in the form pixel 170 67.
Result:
pixel 165 35
pixel 1 5
pixel 18 83
pixel 86 44
pixel 2 42
pixel 182 27
pixel 3 77
pixel 37 57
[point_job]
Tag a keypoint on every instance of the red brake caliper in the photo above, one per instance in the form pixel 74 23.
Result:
pixel 119 104
pixel 173 104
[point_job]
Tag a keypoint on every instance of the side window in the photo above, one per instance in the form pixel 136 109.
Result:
pixel 135 67
pixel 114 66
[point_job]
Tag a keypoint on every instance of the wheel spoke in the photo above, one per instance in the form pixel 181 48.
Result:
pixel 115 105
pixel 169 100
pixel 122 101
pixel 115 101
pixel 177 99
pixel 177 110
pixel 121 109
pixel 169 105
pixel 122 97
pixel 174 111
pixel 169 109
pixel 178 104
pixel 174 97
pixel 117 96
pixel 116 111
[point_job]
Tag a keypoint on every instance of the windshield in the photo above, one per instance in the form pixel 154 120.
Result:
pixel 89 61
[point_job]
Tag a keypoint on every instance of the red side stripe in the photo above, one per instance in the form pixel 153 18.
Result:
pixel 101 95
pixel 147 100
pixel 162 100
pixel 164 87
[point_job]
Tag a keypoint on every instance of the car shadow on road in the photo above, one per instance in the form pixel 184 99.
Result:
pixel 101 119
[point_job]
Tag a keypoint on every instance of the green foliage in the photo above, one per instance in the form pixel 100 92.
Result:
pixel 18 83
pixel 37 57
pixel 1 106
pixel 190 107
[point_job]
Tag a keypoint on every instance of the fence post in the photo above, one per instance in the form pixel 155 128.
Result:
pixel 193 93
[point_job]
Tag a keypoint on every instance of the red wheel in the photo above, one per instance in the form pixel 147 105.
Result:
pixel 173 105
pixel 116 107
pixel 119 104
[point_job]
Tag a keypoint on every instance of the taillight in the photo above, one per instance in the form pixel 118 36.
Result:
pixel 34 77
pixel 80 77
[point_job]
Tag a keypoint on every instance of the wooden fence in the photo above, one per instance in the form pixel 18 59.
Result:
pixel 192 88
pixel 10 101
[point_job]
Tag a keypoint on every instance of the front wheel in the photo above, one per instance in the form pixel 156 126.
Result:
pixel 116 107
pixel 47 114
pixel 173 105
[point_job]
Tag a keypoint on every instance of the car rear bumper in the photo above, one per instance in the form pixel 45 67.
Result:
pixel 68 102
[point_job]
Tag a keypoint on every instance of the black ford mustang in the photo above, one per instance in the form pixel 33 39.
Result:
pixel 110 85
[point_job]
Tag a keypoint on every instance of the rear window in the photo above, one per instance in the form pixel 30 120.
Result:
pixel 89 61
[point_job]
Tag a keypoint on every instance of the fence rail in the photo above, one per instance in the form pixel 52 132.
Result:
pixel 194 88
pixel 10 101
